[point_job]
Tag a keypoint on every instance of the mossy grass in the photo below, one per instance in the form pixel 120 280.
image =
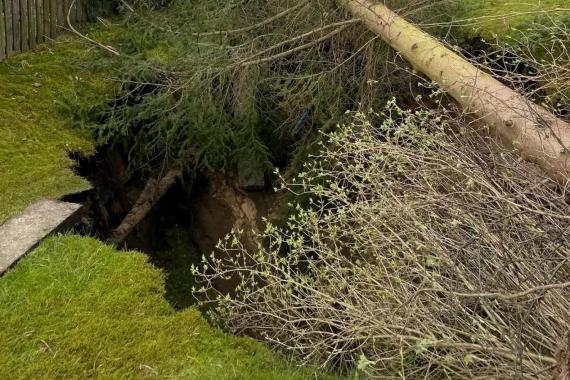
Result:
pixel 37 136
pixel 76 308
pixel 535 32
pixel 503 18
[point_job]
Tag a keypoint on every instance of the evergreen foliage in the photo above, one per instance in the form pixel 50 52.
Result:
pixel 202 88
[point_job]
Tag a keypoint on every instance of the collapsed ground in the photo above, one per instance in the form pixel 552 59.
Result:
pixel 39 109
pixel 75 307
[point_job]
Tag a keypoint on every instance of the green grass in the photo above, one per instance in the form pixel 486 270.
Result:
pixel 500 18
pixel 176 261
pixel 76 308
pixel 35 136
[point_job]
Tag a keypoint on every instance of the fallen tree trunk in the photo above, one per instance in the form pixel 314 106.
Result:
pixel 536 133
pixel 151 194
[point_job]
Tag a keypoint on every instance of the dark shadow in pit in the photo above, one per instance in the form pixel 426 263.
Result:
pixel 164 234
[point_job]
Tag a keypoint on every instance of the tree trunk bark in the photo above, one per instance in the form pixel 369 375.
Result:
pixel 536 133
pixel 151 194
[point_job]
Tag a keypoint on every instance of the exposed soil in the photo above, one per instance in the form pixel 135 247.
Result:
pixel 188 221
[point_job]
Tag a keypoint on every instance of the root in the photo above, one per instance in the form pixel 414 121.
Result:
pixel 153 191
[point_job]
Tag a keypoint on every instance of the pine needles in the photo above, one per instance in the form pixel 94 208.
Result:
pixel 207 84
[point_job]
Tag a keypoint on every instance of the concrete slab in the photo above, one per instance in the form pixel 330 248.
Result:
pixel 23 232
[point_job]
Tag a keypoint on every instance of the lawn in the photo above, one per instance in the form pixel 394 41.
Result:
pixel 36 136
pixel 490 18
pixel 77 308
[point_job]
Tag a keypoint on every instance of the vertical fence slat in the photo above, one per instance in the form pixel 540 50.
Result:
pixel 81 11
pixel 16 25
pixel 78 8
pixel 72 12
pixel 76 18
pixel 52 18
pixel 32 27
pixel 39 21
pixel 24 23
pixel 65 6
pixel 47 23
pixel 9 35
pixel 70 4
pixel 60 18
pixel 91 11
pixel 2 31
pixel 63 14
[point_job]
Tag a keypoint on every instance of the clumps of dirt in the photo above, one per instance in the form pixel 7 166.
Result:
pixel 220 205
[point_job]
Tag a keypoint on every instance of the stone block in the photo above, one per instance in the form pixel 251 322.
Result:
pixel 23 232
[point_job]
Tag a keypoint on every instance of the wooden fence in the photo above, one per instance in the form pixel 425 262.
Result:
pixel 25 23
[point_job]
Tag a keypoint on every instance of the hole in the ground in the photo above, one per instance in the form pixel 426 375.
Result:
pixel 187 220
pixel 164 234
pixel 509 68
